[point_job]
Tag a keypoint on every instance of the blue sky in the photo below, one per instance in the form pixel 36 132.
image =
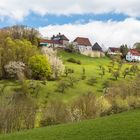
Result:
pixel 36 20
pixel 108 22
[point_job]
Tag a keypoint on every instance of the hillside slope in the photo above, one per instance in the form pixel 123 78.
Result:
pixel 124 126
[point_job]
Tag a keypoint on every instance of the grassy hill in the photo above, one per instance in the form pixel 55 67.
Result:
pixel 124 126
pixel 91 66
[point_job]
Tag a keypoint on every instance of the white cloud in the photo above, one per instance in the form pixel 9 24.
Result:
pixel 17 9
pixel 110 33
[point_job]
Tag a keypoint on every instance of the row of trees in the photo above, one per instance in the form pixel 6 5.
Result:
pixel 21 32
pixel 21 57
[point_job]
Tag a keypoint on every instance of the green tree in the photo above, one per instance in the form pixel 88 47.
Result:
pixel 126 72
pixel 137 46
pixel 124 50
pixel 40 67
pixel 15 50
pixel 116 74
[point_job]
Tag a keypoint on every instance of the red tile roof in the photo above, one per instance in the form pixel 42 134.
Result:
pixel 134 52
pixel 83 41
pixel 113 49
pixel 50 41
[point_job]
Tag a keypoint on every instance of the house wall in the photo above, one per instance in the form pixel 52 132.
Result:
pixel 93 53
pixel 64 42
pixel 84 48
pixel 130 57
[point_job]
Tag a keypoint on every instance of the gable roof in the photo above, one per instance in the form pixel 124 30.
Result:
pixel 113 49
pixel 83 41
pixel 134 52
pixel 50 41
pixel 60 37
pixel 96 47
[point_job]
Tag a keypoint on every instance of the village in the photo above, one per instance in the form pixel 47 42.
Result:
pixel 83 46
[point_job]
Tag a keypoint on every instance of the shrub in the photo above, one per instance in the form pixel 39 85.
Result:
pixel 13 69
pixel 72 80
pixel 134 69
pixel 104 107
pixel 133 102
pixel 73 60
pixel 62 86
pixel 86 104
pixel 56 112
pixel 121 104
pixel 83 77
pixel 40 67
pixel 126 72
pixel 68 71
pixel 116 74
pixel 17 112
pixel 92 81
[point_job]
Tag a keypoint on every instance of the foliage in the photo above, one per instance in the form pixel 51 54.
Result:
pixel 72 80
pixel 62 86
pixel 137 46
pixel 73 60
pixel 102 73
pixel 56 63
pixel 55 113
pixel 17 110
pixel 87 105
pixel 126 72
pixel 68 71
pixel 14 69
pixel 40 67
pixel 92 81
pixel 124 50
pixel 116 74
pixel 17 50
pixel 134 69
pixel 22 32
pixel 83 74
pixel 70 48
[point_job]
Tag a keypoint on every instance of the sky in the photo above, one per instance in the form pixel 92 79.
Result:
pixel 111 23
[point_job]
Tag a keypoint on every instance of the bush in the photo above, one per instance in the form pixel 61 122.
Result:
pixel 13 69
pixel 68 71
pixel 56 112
pixel 40 67
pixel 62 86
pixel 104 107
pixel 17 112
pixel 92 81
pixel 72 80
pixel 73 60
pixel 86 104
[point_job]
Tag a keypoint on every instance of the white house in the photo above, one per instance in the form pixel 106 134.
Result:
pixel 133 55
pixel 113 51
pixel 83 45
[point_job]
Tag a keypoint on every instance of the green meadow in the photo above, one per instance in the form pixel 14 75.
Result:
pixel 124 126
pixel 92 69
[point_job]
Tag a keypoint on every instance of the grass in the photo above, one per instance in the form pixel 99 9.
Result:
pixel 124 126
pixel 91 66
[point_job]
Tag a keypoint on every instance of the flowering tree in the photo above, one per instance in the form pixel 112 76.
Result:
pixel 14 69
pixel 57 65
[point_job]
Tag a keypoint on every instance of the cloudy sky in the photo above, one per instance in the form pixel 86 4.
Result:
pixel 108 22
